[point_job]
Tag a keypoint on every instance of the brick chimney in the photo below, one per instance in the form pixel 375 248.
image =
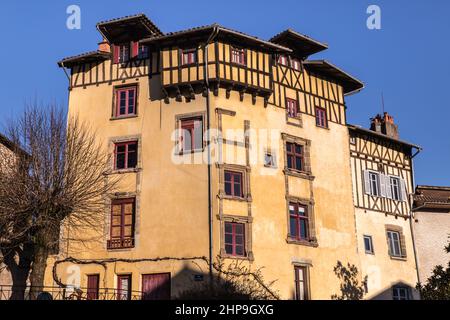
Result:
pixel 384 124
pixel 104 46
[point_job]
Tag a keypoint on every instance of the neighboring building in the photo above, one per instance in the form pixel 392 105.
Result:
pixel 431 227
pixel 382 167
pixel 284 204
pixel 6 148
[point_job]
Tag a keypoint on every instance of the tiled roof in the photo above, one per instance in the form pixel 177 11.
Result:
pixel 91 55
pixel 432 196
pixel 220 29
pixel 131 17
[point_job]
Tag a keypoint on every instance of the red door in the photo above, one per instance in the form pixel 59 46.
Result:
pixel 92 286
pixel 156 286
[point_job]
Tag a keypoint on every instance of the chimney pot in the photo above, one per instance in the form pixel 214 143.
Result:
pixel 384 124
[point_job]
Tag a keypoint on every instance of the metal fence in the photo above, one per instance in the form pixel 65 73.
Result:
pixel 58 293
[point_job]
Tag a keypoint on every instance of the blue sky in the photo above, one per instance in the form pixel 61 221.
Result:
pixel 407 59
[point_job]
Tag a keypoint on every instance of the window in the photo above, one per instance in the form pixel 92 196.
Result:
pixel 295 64
pixel 395 249
pixel 124 287
pixel 188 56
pixel 122 224
pixel 301 283
pixel 400 293
pixel 143 52
pixel 352 140
pixel 368 245
pixel 93 281
pixel 270 160
pixel 191 136
pixel 233 184
pixel 291 107
pixel 294 154
pixel 121 53
pixel 238 56
pixel 125 101
pixel 283 60
pixel 235 239
pixel 298 221
pixel 125 155
pixel 372 183
pixel 321 117
pixel 394 184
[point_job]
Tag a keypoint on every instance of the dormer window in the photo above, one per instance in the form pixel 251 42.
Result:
pixel 121 53
pixel 188 56
pixel 283 60
pixel 238 56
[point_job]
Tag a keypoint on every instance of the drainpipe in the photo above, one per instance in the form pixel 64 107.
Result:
pixel 208 148
pixel 412 215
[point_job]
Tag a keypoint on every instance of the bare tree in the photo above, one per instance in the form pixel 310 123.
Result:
pixel 59 173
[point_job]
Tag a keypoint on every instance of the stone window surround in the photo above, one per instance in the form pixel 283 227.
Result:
pixel 247 222
pixel 309 204
pixel 395 228
pixel 117 196
pixel 306 144
pixel 111 147
pixel 178 119
pixel 114 101
pixel 245 171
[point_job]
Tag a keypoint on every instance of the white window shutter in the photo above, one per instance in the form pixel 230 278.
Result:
pixel 403 191
pixel 366 182
pixel 382 179
pixel 387 180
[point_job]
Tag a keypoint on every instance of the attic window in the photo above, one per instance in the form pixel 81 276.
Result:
pixel 283 60
pixel 295 64
pixel 121 53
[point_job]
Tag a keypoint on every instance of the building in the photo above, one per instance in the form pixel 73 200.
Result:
pixel 7 149
pixel 277 125
pixel 431 227
pixel 382 172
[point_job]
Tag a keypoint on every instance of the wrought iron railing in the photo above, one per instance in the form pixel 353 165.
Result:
pixel 58 293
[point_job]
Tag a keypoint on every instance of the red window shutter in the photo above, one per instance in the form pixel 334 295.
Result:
pixel 116 51
pixel 134 49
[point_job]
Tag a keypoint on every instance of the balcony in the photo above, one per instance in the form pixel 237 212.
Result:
pixel 124 243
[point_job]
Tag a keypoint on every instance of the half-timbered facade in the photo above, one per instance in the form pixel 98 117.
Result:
pixel 276 121
pixel 382 176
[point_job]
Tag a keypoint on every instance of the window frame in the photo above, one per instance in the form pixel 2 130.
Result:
pixel 118 56
pixel 182 126
pixel 117 99
pixel 233 183
pixel 371 250
pixel 143 54
pixel 293 63
pixel 124 242
pixel 298 218
pixel 126 144
pixel 321 116
pixel 392 242
pixel 273 157
pixel 398 296
pixel 240 54
pixel 234 235
pixel 191 53
pixel 294 155
pixel 398 186
pixel 128 277
pixel 289 103
pixel 282 57
pixel 377 183
pixel 305 275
